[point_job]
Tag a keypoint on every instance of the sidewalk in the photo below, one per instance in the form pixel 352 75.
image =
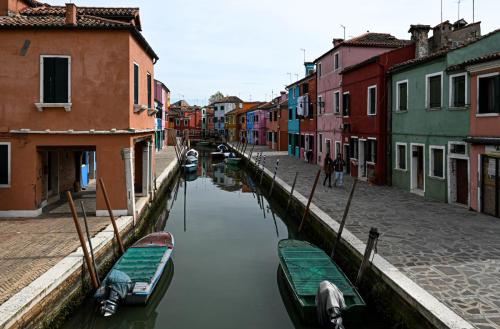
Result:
pixel 451 252
pixel 30 247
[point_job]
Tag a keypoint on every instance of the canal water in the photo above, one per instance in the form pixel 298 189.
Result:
pixel 224 271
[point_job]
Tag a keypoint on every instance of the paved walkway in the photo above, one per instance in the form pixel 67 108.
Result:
pixel 449 251
pixel 29 247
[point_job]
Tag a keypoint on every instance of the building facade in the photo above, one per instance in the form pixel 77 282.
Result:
pixel 277 124
pixel 221 108
pixel 162 103
pixel 293 121
pixel 55 108
pixel 307 115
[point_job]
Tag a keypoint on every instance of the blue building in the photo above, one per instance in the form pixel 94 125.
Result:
pixel 293 121
pixel 250 124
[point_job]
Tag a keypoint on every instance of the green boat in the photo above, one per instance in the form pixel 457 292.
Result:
pixel 203 143
pixel 305 266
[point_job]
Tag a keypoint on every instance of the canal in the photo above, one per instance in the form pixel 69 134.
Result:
pixel 224 272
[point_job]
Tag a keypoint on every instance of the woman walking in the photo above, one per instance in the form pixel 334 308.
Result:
pixel 327 167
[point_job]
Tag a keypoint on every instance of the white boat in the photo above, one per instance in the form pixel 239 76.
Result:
pixel 192 155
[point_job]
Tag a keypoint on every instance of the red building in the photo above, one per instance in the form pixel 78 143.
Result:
pixel 308 117
pixel 365 128
pixel 277 123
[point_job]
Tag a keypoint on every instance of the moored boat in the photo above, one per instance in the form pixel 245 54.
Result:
pixel 305 267
pixel 233 160
pixel 192 155
pixel 134 277
pixel 203 143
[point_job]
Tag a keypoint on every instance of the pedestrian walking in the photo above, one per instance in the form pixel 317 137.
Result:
pixel 327 167
pixel 338 167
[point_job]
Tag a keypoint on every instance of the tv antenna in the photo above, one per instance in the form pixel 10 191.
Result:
pixel 304 51
pixel 343 26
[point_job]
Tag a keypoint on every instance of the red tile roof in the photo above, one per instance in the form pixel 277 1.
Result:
pixel 476 60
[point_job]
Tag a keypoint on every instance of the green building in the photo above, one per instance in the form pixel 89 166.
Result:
pixel 430 115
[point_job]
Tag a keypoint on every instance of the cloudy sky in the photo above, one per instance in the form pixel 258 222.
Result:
pixel 246 47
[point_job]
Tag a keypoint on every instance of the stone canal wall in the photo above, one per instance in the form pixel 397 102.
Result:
pixel 394 296
pixel 47 301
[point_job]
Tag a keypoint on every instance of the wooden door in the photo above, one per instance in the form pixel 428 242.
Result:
pixel 462 182
pixel 420 167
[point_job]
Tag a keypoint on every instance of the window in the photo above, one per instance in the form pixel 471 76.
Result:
pixel 319 69
pixel 222 108
pixel 337 148
pixel 488 94
pixel 402 96
pixel 372 100
pixel 186 122
pixel 353 147
pixel 372 151
pixel 136 84
pixel 434 83
pixel 204 121
pixel 320 143
pixel 256 118
pixel 275 115
pixel 458 87
pixel 336 59
pixel 302 141
pixel 269 136
pixel 436 161
pixel 336 102
pixel 216 119
pixel 216 108
pixel 320 105
pixel 457 148
pixel 401 156
pixel 177 122
pixel 55 79
pixel 328 147
pixel 5 159
pixel 346 104
pixel 148 81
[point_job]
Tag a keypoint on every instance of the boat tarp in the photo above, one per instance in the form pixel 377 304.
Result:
pixel 140 264
pixel 119 282
pixel 308 266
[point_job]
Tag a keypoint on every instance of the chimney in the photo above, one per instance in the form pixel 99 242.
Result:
pixel 420 35
pixel 10 7
pixel 71 14
pixel 336 41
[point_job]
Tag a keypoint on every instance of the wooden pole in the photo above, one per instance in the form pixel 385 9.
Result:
pixel 90 242
pixel 372 238
pixel 115 228
pixel 93 278
pixel 274 177
pixel 306 211
pixel 251 152
pixel 263 167
pixel 344 217
pixel 291 192
pixel 244 149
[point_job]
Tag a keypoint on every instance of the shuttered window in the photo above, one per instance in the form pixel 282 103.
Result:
pixel 55 80
pixel 402 96
pixel 346 104
pixel 372 100
pixel 489 94
pixel 458 91
pixel 434 92
pixel 4 164
pixel 148 81
pixel 136 84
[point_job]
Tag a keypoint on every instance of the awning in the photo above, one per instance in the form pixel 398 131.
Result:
pixel 483 140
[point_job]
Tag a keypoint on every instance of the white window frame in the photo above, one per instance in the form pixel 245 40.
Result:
pixel 396 160
pixel 458 155
pixel 466 97
pixel 9 164
pixel 319 70
pixel 41 105
pixel 356 142
pixel 349 114
pixel 320 100
pixel 427 90
pixel 431 161
pixel 138 84
pixel 336 61
pixel 369 140
pixel 335 103
pixel 328 141
pixel 477 95
pixel 368 100
pixel 338 146
pixel 398 96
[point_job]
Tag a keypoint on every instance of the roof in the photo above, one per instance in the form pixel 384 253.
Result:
pixel 228 99
pixel 372 40
pixel 307 77
pixel 476 60
pixel 45 16
pixel 437 54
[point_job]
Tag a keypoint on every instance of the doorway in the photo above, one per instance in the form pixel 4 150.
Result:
pixel 362 159
pixel 417 169
pixel 346 159
pixel 490 186
pixel 461 179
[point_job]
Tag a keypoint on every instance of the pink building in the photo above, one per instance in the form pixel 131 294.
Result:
pixel 484 137
pixel 256 124
pixel 331 107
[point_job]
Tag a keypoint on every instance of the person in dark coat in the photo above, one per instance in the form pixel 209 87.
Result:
pixel 327 167
pixel 338 166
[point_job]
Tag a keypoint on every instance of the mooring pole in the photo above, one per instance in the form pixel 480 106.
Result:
pixel 306 211
pixel 344 217
pixel 263 167
pixel 275 224
pixel 372 238
pixel 251 152
pixel 291 192
pixel 244 149
pixel 82 241
pixel 90 242
pixel 115 228
pixel 274 177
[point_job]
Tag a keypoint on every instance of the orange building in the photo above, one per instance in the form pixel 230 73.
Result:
pixel 277 124
pixel 77 82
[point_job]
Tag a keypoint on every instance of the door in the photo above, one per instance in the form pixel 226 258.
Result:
pixel 362 159
pixel 417 168
pixel 490 186
pixel 462 179
pixel 346 159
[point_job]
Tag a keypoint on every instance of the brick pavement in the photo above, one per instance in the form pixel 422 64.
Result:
pixel 451 252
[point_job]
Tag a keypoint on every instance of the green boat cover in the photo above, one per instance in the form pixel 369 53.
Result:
pixel 307 266
pixel 140 264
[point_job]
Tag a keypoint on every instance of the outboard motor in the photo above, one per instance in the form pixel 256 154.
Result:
pixel 110 305
pixel 114 288
pixel 329 303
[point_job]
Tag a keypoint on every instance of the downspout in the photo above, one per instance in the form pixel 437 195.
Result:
pixel 389 130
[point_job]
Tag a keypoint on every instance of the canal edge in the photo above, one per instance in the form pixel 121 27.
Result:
pixel 66 278
pixel 437 313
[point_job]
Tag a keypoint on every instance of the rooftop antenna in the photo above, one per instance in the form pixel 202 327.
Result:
pixel 304 51
pixel 342 26
pixel 272 94
pixel 458 5
pixel 250 97
pixel 441 11
pixel 290 76
pixel 297 76
pixel 473 8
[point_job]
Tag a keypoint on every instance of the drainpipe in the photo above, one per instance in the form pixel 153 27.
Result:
pixel 389 131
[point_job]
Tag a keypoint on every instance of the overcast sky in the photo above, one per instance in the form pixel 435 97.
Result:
pixel 246 47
